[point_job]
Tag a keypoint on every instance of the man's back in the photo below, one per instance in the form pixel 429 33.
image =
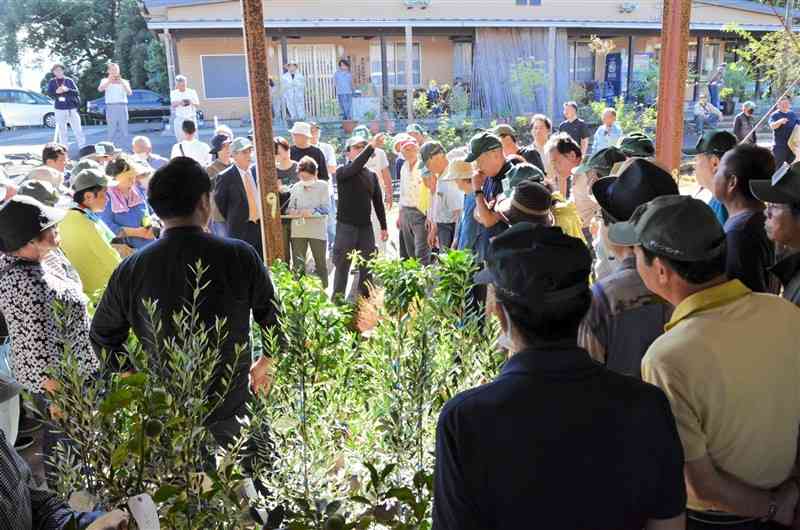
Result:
pixel 199 151
pixel 557 441
pixel 730 365
pixel 236 283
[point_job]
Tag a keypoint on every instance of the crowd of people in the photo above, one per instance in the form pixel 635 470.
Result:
pixel 652 372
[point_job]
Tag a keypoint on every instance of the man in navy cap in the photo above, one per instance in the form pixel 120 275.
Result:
pixel 556 441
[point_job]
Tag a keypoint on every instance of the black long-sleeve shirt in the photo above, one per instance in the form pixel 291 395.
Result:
pixel 296 153
pixel 359 192
pixel 238 283
pixel 743 126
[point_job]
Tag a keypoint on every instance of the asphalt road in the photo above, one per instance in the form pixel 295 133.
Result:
pixel 32 139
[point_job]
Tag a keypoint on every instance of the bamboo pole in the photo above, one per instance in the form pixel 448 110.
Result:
pixel 672 81
pixel 261 110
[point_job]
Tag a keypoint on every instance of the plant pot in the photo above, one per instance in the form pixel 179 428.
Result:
pixel 349 125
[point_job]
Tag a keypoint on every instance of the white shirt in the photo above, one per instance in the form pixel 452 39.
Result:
pixel 199 151
pixel 410 184
pixel 115 93
pixel 448 203
pixel 188 112
pixel 328 151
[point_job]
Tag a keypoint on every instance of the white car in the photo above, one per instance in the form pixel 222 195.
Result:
pixel 19 108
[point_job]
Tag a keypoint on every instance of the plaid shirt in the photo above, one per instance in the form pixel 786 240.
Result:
pixel 26 506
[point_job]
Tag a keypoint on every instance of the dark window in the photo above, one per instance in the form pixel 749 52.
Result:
pixel 149 97
pixel 5 96
pixel 529 2
pixel 224 76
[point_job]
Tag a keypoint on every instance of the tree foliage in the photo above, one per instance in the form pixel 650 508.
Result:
pixel 84 35
pixel 772 57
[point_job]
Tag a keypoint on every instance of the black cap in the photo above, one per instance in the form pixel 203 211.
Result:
pixel 529 202
pixel 218 142
pixel 784 188
pixel 86 150
pixel 23 218
pixel 520 173
pixel 674 226
pixel 639 181
pixel 532 264
pixel 713 143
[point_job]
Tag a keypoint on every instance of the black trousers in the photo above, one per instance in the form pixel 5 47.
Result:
pixel 348 239
pixel 782 154
pixel 704 521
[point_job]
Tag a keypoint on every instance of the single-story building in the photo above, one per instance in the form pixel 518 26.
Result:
pixel 491 47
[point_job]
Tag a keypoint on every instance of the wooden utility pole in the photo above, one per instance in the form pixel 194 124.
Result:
pixel 672 81
pixel 255 45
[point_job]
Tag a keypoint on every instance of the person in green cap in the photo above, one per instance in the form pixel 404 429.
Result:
pixel 485 151
pixel 728 364
pixel 708 152
pixel 782 195
pixel 637 144
pixel 448 200
pixel 85 238
pixel 508 136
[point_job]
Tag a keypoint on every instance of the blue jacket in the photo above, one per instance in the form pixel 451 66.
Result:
pixel 65 100
pixel 131 219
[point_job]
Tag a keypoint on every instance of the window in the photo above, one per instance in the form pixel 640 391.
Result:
pixel 581 62
pixel 40 99
pixel 149 97
pixel 5 96
pixel 224 76
pixel 462 61
pixel 395 64
pixel 529 2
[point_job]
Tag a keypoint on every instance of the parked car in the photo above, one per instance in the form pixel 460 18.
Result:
pixel 142 105
pixel 19 108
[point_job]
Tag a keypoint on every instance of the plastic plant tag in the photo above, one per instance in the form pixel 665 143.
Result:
pixel 144 511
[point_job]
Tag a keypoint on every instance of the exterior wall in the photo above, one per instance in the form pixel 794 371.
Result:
pixel 436 63
pixel 568 10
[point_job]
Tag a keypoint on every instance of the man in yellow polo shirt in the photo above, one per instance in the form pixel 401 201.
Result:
pixel 729 362
pixel 85 238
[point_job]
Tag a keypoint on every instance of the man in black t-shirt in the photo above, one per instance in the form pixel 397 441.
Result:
pixel 301 146
pixel 557 441
pixel 750 252
pixel 512 151
pixel 575 127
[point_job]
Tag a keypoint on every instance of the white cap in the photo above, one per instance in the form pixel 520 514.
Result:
pixel 301 127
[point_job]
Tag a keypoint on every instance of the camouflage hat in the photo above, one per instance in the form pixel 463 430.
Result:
pixel 636 145
pixel 240 144
pixel 482 142
pixel 85 163
pixel 603 161
pixel 41 190
pixel 504 130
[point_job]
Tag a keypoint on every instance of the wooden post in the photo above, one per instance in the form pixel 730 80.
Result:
pixel 384 77
pixel 255 43
pixel 409 74
pixel 672 81
pixel 551 72
pixel 698 68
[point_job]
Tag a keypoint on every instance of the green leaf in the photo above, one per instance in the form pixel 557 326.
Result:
pixel 402 494
pixel 374 477
pixel 117 400
pixel 139 379
pixel 165 493
pixel 119 456
pixel 361 500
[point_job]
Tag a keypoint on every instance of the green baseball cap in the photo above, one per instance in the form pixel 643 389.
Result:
pixel 426 152
pixel 363 131
pixel 713 143
pixel 481 143
pixel 784 188
pixel 519 173
pixel 504 129
pixel 91 178
pixel 603 161
pixel 240 144
pixel 678 227
pixel 636 145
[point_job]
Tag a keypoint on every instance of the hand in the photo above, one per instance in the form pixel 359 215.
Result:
pixel 384 235
pixel 377 141
pixel 478 178
pixel 432 238
pixel 61 90
pixel 261 376
pixel 116 520
pixel 306 213
pixel 398 222
pixel 787 497
pixel 388 204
